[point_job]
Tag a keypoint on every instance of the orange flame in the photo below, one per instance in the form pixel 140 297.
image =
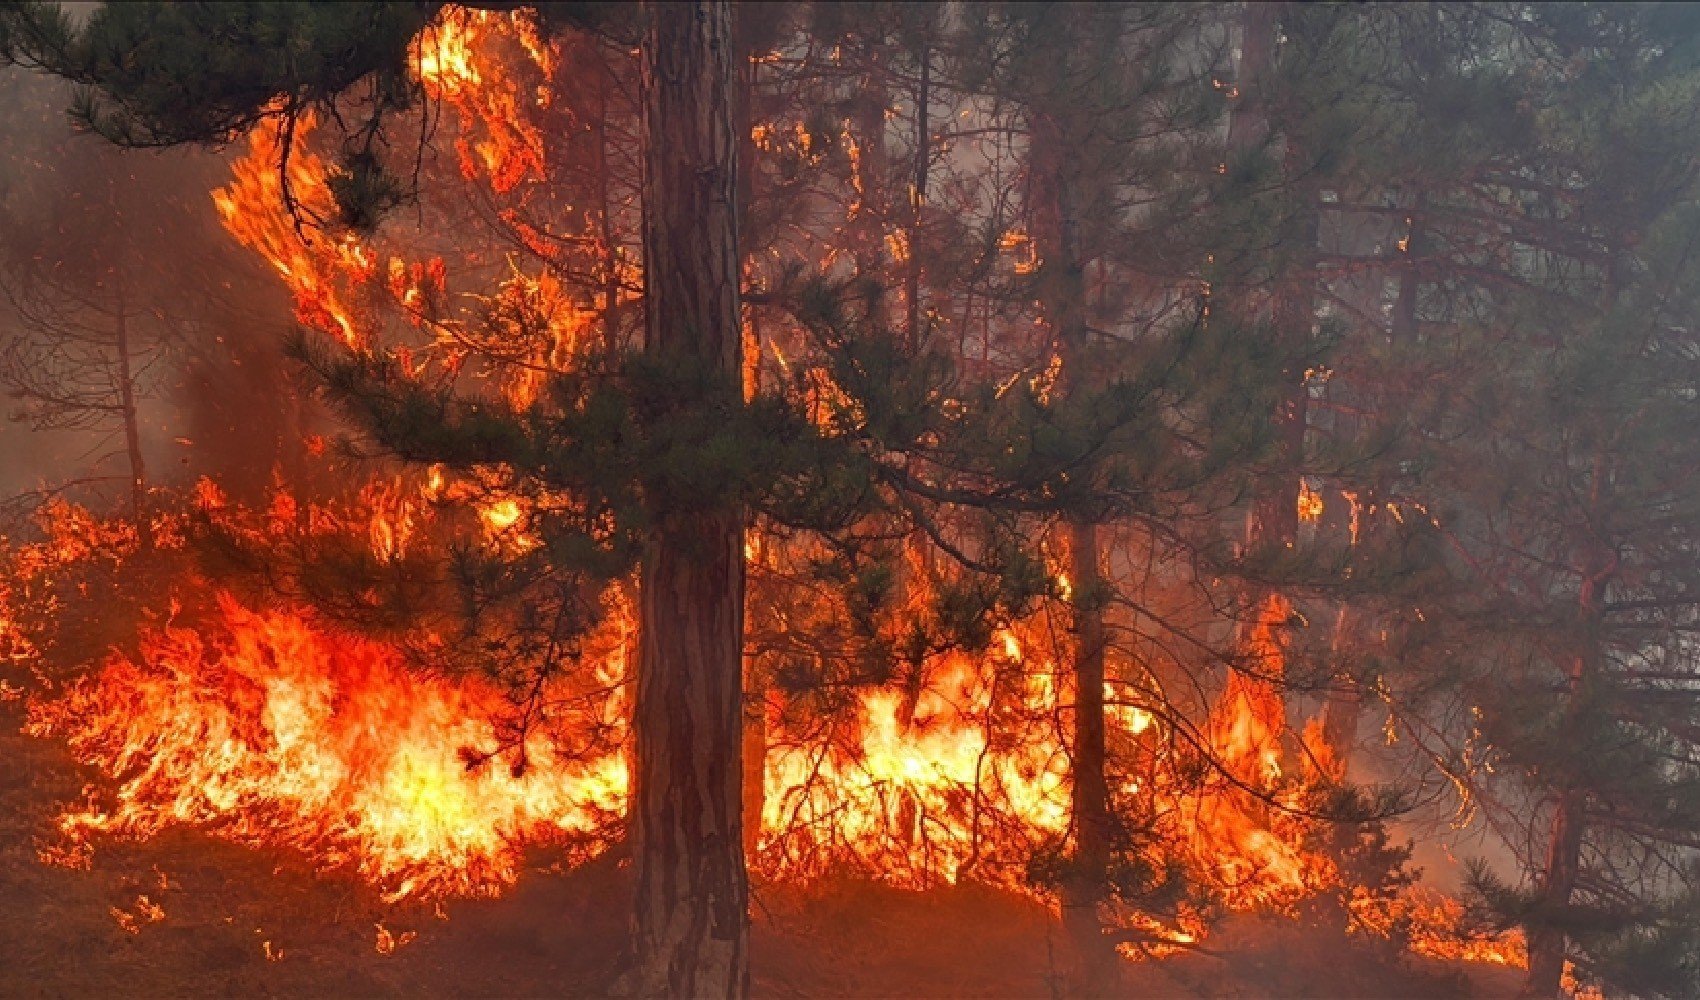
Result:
pixel 282 734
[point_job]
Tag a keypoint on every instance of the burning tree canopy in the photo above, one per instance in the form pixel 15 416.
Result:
pixel 1033 446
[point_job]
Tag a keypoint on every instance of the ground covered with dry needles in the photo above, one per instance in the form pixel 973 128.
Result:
pixel 190 915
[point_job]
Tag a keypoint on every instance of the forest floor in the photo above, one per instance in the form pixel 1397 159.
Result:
pixel 556 934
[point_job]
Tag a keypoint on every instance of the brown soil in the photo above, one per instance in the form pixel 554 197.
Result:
pixel 556 934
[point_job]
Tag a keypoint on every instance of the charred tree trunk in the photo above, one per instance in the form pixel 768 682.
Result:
pixel 691 928
pixel 127 407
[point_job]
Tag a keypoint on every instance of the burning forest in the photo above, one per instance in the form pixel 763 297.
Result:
pixel 983 499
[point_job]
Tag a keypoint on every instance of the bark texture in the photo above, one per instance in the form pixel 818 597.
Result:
pixel 1558 881
pixel 691 925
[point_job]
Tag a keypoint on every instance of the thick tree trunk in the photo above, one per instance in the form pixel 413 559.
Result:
pixel 691 925
pixel 1088 885
pixel 1564 846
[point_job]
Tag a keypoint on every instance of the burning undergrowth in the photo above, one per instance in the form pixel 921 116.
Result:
pixel 276 728
pixel 266 730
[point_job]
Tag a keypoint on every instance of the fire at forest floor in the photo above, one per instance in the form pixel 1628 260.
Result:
pixel 186 914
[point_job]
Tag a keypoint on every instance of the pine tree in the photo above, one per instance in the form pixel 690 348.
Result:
pixel 1589 552
pixel 1530 306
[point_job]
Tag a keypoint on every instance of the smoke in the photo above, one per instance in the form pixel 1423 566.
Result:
pixel 85 222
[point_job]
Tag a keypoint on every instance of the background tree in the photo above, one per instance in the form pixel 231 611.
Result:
pixel 85 346
pixel 83 228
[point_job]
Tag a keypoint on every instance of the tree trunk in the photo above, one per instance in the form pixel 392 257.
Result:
pixel 1274 515
pixel 918 193
pixel 1062 294
pixel 1564 847
pixel 132 427
pixel 691 927
pixel 918 549
pixel 755 760
pixel 1088 887
pixel 867 230
pixel 1547 942
pixel 606 234
pixel 1343 709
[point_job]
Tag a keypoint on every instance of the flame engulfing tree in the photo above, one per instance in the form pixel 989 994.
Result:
pixel 691 919
pixel 1032 313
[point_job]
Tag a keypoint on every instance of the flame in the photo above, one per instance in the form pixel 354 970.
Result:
pixel 1236 832
pixel 917 791
pixel 457 60
pixel 444 58
pixel 323 274
pixel 1309 503
pixel 388 942
pixel 278 733
pixel 394 518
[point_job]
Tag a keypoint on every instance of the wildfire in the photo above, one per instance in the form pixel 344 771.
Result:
pixel 323 274
pixel 269 728
pixel 1434 925
pixel 277 733
pixel 1235 831
pixel 918 792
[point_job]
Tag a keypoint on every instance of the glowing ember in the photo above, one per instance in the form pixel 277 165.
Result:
pixel 388 942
